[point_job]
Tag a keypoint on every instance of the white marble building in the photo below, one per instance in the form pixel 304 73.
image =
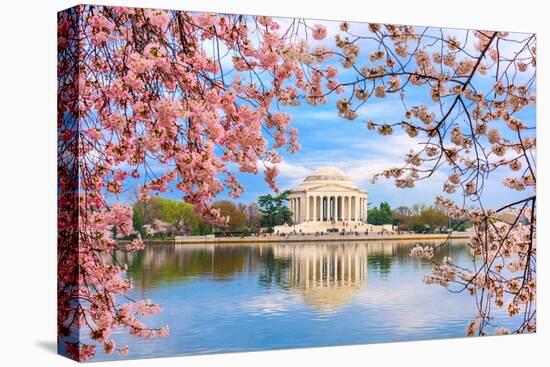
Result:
pixel 328 199
pixel 328 195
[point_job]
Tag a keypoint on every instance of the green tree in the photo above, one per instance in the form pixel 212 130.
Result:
pixel 179 214
pixel 274 210
pixel 418 227
pixel 381 215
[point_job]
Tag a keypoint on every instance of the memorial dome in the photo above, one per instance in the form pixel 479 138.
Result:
pixel 327 175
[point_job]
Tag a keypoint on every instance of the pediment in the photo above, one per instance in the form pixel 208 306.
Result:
pixel 332 187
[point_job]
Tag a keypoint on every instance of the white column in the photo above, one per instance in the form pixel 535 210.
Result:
pixel 319 207
pixel 307 208
pixel 296 210
pixel 300 209
pixel 315 208
pixel 304 208
pixel 356 208
pixel 297 203
pixel 344 208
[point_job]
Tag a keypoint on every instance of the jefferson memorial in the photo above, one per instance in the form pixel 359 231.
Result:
pixel 327 200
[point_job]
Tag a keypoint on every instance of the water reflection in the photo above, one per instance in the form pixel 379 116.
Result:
pixel 228 298
pixel 162 264
pixel 325 275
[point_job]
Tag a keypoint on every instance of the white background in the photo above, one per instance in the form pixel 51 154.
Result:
pixel 28 182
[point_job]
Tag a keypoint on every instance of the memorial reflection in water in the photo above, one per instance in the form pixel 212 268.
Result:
pixel 247 297
pixel 326 276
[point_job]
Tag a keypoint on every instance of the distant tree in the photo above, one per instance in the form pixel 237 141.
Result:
pixel 252 214
pixel 404 219
pixel 418 227
pixel 404 210
pixel 416 209
pixel 433 217
pixel 138 220
pixel 397 218
pixel 203 228
pixel 237 219
pixel 159 228
pixel 381 215
pixel 419 216
pixel 274 210
pixel 178 215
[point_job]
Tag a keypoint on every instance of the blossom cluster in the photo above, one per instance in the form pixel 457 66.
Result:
pixel 470 129
pixel 193 93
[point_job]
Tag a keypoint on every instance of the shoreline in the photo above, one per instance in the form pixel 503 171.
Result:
pixel 307 239
pixel 324 238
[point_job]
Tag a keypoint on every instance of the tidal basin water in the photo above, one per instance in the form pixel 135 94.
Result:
pixel 224 298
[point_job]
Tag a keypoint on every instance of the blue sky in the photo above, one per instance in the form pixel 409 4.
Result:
pixel 327 139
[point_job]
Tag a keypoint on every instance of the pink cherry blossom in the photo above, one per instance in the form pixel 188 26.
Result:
pixel 319 32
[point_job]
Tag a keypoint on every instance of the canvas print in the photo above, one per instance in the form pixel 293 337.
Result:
pixel 232 182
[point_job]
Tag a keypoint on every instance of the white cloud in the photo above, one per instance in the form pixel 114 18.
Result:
pixel 272 303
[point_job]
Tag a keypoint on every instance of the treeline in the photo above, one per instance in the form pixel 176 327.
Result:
pixel 161 217
pixel 418 218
